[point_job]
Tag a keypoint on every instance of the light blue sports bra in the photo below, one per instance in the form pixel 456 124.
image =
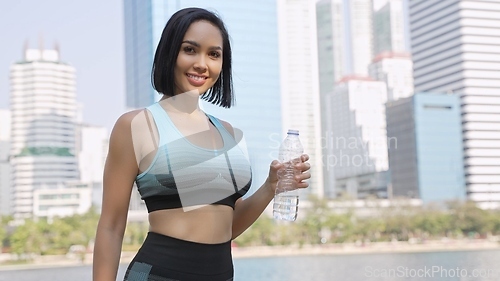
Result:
pixel 184 175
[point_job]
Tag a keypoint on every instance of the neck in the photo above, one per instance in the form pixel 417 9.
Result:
pixel 187 103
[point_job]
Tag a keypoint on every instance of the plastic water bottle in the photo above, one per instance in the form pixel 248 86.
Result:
pixel 286 198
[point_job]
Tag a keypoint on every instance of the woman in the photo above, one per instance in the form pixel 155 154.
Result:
pixel 188 165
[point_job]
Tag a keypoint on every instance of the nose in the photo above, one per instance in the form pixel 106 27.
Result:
pixel 200 64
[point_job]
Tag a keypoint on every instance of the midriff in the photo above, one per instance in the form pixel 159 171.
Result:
pixel 210 224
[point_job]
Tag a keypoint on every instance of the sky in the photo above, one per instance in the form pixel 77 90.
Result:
pixel 90 38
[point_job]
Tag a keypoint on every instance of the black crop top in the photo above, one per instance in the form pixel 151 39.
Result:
pixel 184 175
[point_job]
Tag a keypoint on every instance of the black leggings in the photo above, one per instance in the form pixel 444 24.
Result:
pixel 164 258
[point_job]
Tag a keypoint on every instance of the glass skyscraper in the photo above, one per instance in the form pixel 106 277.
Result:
pixel 425 157
pixel 252 26
pixel 144 22
pixel 345 49
pixel 300 106
pixel 389 28
pixel 456 49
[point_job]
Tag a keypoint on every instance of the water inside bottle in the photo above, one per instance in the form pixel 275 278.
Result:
pixel 287 175
pixel 285 207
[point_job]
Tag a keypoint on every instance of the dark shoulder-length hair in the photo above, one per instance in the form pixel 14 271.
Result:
pixel 162 74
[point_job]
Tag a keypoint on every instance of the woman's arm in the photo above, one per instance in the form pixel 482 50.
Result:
pixel 247 211
pixel 119 174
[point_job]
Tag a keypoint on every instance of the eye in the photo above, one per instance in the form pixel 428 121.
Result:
pixel 215 54
pixel 188 49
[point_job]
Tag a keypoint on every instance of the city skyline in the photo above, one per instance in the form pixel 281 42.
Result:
pixel 89 39
pixel 268 88
pixel 76 28
pixel 402 132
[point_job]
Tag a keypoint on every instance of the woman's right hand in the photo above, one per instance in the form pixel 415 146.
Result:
pixel 302 174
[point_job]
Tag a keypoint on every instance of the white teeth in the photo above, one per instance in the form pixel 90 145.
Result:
pixel 198 78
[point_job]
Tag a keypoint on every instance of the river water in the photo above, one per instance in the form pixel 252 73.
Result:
pixel 460 266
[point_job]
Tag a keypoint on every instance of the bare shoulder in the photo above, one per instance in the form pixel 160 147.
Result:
pixel 228 126
pixel 126 119
pixel 124 123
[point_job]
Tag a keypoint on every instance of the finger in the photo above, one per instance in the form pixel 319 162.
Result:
pixel 276 165
pixel 304 157
pixel 303 184
pixel 303 176
pixel 303 167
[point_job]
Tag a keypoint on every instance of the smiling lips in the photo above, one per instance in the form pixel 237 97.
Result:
pixel 196 80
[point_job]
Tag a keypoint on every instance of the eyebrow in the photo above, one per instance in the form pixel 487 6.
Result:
pixel 198 45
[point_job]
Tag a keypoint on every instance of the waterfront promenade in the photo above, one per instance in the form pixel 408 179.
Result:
pixel 443 245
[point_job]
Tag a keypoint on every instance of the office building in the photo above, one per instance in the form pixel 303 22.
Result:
pixel 426 160
pixel 371 185
pixel 67 200
pixel 253 30
pixel 357 142
pixel 92 147
pixel 456 49
pixel 144 22
pixel 345 48
pixel 331 46
pixel 389 28
pixel 299 82
pixel 345 40
pixel 43 108
pixel 5 171
pixel 396 70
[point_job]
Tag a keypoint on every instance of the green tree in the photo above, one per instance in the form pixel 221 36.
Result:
pixel 262 232
pixel 496 223
pixel 315 221
pixel 399 223
pixel 436 223
pixel 29 238
pixel 286 233
pixel 3 231
pixel 62 236
pixel 369 228
pixel 470 219
pixel 83 226
pixel 54 236
pixel 135 233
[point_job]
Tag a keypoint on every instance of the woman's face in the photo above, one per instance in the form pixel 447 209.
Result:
pixel 200 58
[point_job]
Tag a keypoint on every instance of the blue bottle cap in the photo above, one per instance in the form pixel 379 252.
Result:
pixel 293 132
